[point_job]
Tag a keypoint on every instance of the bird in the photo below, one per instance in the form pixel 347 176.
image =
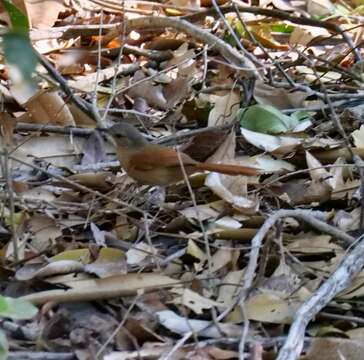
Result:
pixel 158 165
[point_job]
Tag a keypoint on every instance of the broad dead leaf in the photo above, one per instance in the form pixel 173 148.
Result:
pixel 225 109
pixel 274 144
pixel 110 287
pixel 49 108
pixel 233 189
pixel 193 300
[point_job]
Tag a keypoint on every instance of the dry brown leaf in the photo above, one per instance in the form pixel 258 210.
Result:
pixel 278 97
pixel 43 14
pixel 230 287
pixel 225 109
pixel 57 149
pixel 44 231
pixel 232 189
pixel 152 94
pixel 193 300
pixel 110 262
pixel 147 351
pixel 101 181
pixel 334 349
pixel 320 7
pixel 55 268
pixel 49 108
pixel 87 83
pixel 319 244
pixel 303 35
pixel 111 287
pixel 226 151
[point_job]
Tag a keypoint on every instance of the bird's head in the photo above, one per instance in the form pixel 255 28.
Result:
pixel 126 135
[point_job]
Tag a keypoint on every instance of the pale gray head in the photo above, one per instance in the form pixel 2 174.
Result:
pixel 127 135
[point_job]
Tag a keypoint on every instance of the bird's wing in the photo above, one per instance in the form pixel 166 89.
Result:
pixel 157 156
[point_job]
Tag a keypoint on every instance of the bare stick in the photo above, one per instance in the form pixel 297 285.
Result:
pixel 279 15
pixel 227 51
pixel 80 187
pixel 337 282
pixel 305 215
pixel 41 355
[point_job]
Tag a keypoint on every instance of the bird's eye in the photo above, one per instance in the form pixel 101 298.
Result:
pixel 118 136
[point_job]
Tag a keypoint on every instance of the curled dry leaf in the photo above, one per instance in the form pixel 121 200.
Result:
pixel 98 235
pixel 227 222
pixel 233 190
pixel 193 300
pixel 275 144
pixel 139 252
pixel 268 164
pixel 147 351
pixel 195 251
pixel 333 178
pixel 110 262
pixel 358 137
pixel 55 268
pixel 347 221
pixel 181 326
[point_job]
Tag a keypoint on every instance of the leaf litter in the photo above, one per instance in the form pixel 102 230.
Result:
pixel 122 271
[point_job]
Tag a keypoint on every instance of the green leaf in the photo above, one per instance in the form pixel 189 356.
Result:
pixel 16 308
pixel 239 28
pixel 18 20
pixel 300 115
pixel 267 119
pixel 20 56
pixel 282 28
pixel 4 346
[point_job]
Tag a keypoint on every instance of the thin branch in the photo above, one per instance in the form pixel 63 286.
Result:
pixel 79 186
pixel 337 282
pixel 279 15
pixel 227 51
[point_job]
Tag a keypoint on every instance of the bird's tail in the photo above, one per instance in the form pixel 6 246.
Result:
pixel 228 169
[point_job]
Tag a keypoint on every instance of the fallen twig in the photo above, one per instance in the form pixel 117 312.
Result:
pixel 279 15
pixel 337 282
pixel 227 51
